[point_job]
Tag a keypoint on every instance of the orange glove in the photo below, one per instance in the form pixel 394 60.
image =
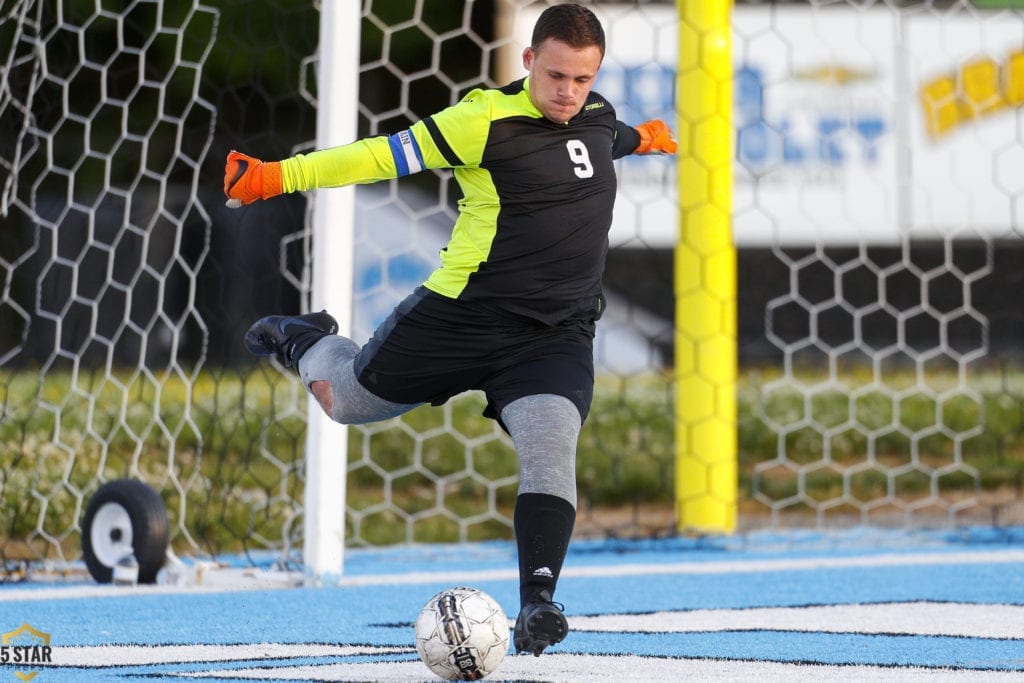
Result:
pixel 655 138
pixel 247 179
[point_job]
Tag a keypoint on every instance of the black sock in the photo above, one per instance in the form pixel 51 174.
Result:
pixel 543 526
pixel 298 344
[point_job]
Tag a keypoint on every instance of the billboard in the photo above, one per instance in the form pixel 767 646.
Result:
pixel 853 124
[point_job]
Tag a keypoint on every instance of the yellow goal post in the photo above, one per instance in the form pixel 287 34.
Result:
pixel 705 274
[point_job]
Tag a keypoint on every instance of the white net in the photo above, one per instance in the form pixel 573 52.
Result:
pixel 448 474
pixel 127 285
pixel 877 206
pixel 879 158
pixel 120 319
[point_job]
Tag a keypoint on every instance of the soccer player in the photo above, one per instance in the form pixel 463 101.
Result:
pixel 511 309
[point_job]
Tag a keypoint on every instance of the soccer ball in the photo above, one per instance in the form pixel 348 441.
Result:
pixel 462 634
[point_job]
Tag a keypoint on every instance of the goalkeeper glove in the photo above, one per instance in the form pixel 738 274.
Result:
pixel 655 138
pixel 247 179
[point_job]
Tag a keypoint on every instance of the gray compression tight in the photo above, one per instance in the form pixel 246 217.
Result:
pixel 331 359
pixel 544 427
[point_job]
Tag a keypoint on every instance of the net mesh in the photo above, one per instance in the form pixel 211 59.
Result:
pixel 877 206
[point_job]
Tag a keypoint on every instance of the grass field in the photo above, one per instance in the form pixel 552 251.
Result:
pixel 224 448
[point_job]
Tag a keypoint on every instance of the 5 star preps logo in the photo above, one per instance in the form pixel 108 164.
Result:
pixel 23 648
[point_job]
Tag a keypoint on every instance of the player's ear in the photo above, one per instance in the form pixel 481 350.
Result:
pixel 528 55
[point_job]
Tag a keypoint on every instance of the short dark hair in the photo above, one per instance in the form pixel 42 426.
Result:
pixel 574 25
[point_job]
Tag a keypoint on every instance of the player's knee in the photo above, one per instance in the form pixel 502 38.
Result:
pixel 321 390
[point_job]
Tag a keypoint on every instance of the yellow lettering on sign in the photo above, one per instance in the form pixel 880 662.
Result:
pixel 979 88
pixel 1014 79
pixel 938 99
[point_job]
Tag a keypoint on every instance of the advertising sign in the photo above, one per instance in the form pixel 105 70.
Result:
pixel 852 125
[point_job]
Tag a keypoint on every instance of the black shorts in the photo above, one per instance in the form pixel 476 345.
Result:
pixel 432 347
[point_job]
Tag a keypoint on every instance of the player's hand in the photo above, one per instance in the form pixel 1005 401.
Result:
pixel 655 138
pixel 247 179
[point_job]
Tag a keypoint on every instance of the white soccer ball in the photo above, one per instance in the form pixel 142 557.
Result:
pixel 462 634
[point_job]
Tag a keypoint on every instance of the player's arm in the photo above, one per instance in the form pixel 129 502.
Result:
pixel 247 178
pixel 426 144
pixel 650 137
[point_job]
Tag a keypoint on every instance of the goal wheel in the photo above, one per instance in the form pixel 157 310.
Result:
pixel 124 516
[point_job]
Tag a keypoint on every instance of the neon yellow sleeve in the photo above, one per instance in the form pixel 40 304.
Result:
pixel 363 161
pixel 457 135
pixel 453 137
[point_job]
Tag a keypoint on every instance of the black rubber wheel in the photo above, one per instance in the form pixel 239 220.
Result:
pixel 125 516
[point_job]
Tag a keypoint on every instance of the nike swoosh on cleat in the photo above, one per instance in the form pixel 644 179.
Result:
pixel 295 321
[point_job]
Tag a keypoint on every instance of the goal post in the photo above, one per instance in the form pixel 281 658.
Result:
pixel 326 452
pixel 705 274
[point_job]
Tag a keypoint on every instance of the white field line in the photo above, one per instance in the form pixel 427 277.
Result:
pixel 553 666
pixel 563 668
pixel 143 655
pixel 891 618
pixel 249 579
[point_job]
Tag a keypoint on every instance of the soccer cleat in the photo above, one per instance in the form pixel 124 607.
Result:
pixel 288 337
pixel 540 624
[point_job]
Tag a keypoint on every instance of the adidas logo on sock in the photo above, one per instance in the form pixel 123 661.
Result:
pixel 543 571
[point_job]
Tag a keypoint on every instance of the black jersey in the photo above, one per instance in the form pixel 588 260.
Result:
pixel 532 232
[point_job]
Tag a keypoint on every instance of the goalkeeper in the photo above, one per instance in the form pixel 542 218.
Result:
pixel 511 309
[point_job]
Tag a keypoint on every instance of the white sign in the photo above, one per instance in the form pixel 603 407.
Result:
pixel 853 125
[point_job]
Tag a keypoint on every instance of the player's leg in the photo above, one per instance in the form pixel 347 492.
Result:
pixel 544 430
pixel 327 371
pixel 407 362
pixel 288 337
pixel 324 362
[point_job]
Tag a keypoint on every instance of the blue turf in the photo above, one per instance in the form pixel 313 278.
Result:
pixel 721 574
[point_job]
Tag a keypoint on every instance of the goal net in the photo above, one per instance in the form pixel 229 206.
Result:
pixel 875 227
pixel 878 195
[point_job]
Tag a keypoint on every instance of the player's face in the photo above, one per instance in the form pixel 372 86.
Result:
pixel 561 77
